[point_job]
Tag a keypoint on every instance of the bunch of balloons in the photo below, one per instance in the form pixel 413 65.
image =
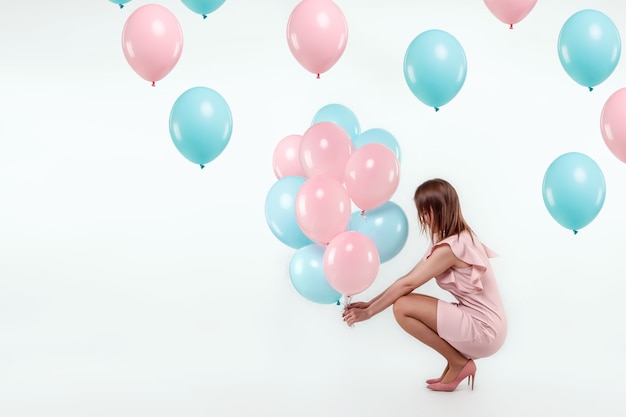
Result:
pixel 317 34
pixel 321 175
pixel 200 123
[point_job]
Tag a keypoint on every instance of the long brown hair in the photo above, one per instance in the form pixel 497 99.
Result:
pixel 438 199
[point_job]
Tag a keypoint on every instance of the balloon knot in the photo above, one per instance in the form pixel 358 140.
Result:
pixel 121 6
pixel 575 232
pixel 318 76
pixel 338 302
pixel 436 108
pixel 153 83
pixel 590 89
pixel 511 27
pixel 204 16
pixel 201 166
pixel 362 212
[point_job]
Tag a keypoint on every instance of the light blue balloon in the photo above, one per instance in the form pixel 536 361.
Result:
pixel 306 271
pixel 339 115
pixel 435 67
pixel 200 124
pixel 574 190
pixel 121 3
pixel 589 47
pixel 381 136
pixel 280 212
pixel 203 7
pixel 387 226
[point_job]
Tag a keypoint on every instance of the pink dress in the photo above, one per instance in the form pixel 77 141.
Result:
pixel 476 326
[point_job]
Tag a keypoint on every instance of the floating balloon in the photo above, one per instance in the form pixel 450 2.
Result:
pixel 589 47
pixel 510 11
pixel 200 124
pixel 381 136
pixel 306 271
pixel 286 157
pixel 325 149
pixel 387 226
pixel 317 34
pixel 280 212
pixel 351 263
pixel 574 190
pixel 613 124
pixel 372 175
pixel 203 7
pixel 121 3
pixel 340 115
pixel 152 41
pixel 435 67
pixel 322 208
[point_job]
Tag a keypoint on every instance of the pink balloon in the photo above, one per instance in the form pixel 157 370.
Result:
pixel 613 124
pixel 351 263
pixel 317 33
pixel 152 41
pixel 372 175
pixel 510 11
pixel 325 149
pixel 286 157
pixel 322 208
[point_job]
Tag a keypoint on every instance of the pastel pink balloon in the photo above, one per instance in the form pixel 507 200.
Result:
pixel 286 157
pixel 322 208
pixel 613 124
pixel 317 34
pixel 372 175
pixel 351 263
pixel 152 41
pixel 510 11
pixel 325 149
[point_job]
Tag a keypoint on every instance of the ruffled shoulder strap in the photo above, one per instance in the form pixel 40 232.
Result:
pixel 469 251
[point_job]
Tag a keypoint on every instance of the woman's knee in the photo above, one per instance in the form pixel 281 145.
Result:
pixel 401 307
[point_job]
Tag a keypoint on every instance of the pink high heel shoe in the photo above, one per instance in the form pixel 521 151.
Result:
pixel 468 371
pixel 435 380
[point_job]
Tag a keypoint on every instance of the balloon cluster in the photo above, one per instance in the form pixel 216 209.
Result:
pixel 574 188
pixel 321 175
pixel 200 121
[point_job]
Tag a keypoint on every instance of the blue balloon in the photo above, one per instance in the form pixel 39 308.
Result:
pixel 121 3
pixel 200 124
pixel 203 7
pixel 589 47
pixel 387 226
pixel 280 212
pixel 435 67
pixel 381 136
pixel 574 190
pixel 339 115
pixel 306 271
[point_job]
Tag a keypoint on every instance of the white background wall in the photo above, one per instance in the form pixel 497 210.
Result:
pixel 132 283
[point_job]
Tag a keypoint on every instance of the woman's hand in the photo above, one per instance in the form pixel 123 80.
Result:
pixel 354 314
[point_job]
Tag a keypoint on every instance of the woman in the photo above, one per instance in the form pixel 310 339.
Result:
pixel 473 327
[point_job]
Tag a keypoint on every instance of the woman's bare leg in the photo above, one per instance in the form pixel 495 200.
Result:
pixel 417 315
